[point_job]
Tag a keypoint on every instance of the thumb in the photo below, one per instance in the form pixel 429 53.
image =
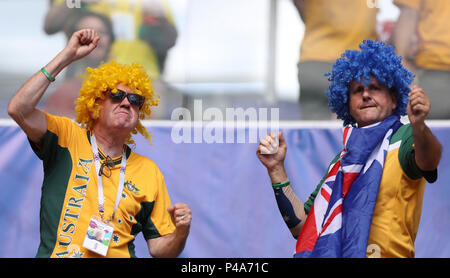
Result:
pixel 171 210
pixel 409 110
pixel 95 40
pixel 281 138
pixel 93 43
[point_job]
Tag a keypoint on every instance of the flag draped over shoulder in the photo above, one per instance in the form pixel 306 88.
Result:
pixel 338 223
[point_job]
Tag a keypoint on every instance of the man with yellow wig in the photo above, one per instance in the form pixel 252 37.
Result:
pixel 98 194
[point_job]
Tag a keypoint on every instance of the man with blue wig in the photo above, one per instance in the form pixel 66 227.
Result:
pixel 369 202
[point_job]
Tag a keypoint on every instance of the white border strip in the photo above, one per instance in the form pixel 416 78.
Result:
pixel 280 124
pixel 247 124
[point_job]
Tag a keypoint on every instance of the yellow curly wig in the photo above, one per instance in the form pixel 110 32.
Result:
pixel 96 83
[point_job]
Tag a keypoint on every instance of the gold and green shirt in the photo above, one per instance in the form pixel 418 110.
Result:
pixel 70 196
pixel 398 208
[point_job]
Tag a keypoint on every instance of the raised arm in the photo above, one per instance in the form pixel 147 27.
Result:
pixel 22 107
pixel 427 148
pixel 57 15
pixel 272 154
pixel 404 31
pixel 56 18
pixel 300 5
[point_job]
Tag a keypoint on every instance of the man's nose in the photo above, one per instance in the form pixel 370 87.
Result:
pixel 125 102
pixel 365 93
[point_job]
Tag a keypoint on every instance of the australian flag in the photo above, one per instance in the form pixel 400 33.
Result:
pixel 338 223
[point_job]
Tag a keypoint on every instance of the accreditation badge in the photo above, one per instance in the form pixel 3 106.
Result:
pixel 98 236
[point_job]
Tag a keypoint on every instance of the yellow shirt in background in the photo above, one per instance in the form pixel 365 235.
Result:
pixel 126 17
pixel 331 27
pixel 434 32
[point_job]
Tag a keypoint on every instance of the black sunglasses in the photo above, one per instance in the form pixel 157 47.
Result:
pixel 134 99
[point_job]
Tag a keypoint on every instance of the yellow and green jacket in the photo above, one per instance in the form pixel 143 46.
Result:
pixel 70 195
pixel 398 208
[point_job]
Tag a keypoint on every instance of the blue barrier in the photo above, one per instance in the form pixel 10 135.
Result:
pixel 227 188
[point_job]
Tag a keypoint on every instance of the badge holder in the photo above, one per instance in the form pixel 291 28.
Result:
pixel 99 232
pixel 98 236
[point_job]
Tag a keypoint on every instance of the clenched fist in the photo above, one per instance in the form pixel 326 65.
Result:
pixel 81 44
pixel 272 152
pixel 181 217
pixel 418 105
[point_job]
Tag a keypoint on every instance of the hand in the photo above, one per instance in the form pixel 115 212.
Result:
pixel 181 217
pixel 418 105
pixel 81 44
pixel 272 152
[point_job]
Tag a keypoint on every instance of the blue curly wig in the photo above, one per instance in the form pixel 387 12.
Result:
pixel 374 59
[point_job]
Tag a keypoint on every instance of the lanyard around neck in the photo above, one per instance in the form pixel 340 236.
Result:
pixel 101 198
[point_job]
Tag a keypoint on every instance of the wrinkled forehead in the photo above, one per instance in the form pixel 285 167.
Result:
pixel 361 81
pixel 364 81
pixel 124 87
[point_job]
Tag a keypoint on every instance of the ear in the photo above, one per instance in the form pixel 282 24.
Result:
pixel 95 113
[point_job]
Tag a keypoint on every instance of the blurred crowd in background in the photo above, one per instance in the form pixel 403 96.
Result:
pixel 148 31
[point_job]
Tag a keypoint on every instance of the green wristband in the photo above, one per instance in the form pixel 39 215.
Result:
pixel 280 185
pixel 49 77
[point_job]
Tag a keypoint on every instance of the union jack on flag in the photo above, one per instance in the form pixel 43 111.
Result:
pixel 338 223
